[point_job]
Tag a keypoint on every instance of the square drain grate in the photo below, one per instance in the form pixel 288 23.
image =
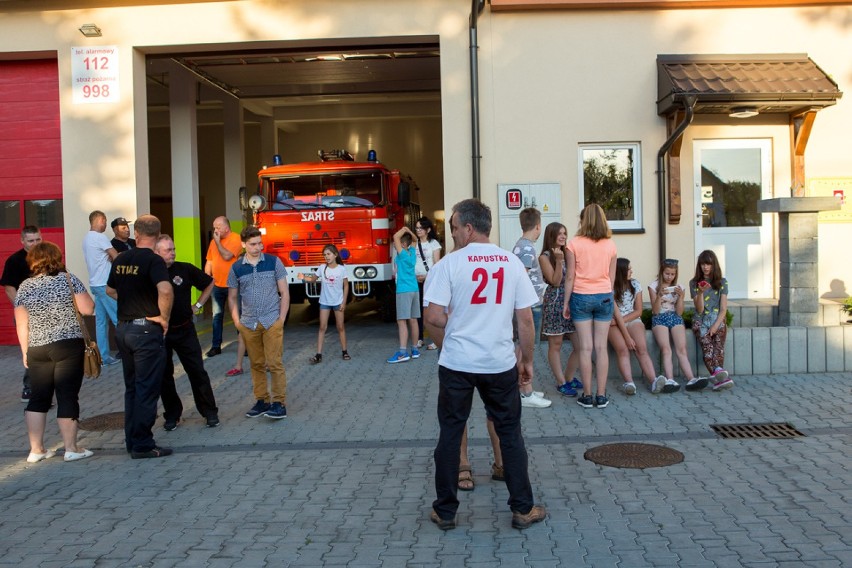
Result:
pixel 766 430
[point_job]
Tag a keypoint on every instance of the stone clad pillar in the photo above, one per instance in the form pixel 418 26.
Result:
pixel 798 297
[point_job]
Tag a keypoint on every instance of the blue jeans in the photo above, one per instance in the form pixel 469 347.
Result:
pixel 220 297
pixel 499 392
pixel 143 358
pixel 536 313
pixel 105 307
pixel 591 306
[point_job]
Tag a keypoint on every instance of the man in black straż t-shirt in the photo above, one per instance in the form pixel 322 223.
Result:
pixel 139 281
pixel 183 339
pixel 15 271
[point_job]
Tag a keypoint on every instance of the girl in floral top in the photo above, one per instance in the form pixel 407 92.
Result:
pixel 709 293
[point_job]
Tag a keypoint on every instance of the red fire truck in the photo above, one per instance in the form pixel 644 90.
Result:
pixel 356 206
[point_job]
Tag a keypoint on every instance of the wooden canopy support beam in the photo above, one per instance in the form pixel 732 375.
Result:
pixel 673 168
pixel 800 130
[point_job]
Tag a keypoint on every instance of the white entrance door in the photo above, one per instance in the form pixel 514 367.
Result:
pixel 730 177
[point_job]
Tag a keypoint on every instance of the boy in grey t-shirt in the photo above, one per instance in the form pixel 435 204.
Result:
pixel 524 249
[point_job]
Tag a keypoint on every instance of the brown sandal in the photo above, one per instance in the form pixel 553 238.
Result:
pixel 465 478
pixel 497 472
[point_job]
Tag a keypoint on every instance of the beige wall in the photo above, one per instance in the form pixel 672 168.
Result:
pixel 548 80
pixel 553 80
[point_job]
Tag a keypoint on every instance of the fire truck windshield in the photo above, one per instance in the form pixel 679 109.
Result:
pixel 328 190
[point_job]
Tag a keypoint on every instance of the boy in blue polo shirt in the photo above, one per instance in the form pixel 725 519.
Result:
pixel 407 295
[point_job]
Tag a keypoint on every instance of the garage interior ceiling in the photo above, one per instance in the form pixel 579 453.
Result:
pixel 304 83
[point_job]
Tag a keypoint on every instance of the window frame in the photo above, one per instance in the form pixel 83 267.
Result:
pixel 636 224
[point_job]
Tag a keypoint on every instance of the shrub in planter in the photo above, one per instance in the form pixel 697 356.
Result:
pixel 688 316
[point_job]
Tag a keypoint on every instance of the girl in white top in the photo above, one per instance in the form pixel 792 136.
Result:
pixel 627 332
pixel 333 296
pixel 667 307
pixel 427 252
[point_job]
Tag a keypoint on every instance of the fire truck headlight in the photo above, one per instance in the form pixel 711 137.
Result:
pixel 371 272
pixel 359 272
pixel 294 255
pixel 344 254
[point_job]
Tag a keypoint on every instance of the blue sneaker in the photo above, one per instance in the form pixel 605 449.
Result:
pixel 415 353
pixel 259 409
pixel 109 360
pixel 399 357
pixel 276 411
pixel 576 384
pixel 566 390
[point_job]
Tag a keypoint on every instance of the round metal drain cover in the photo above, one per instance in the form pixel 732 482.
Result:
pixel 637 456
pixel 103 422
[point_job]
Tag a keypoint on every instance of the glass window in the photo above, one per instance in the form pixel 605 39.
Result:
pixel 610 177
pixel 10 214
pixel 44 213
pixel 731 187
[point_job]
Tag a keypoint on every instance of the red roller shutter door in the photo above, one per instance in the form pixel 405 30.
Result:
pixel 30 155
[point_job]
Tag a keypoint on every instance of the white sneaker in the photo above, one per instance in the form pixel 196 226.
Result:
pixel 539 394
pixel 658 385
pixel 628 388
pixel 671 386
pixel 533 401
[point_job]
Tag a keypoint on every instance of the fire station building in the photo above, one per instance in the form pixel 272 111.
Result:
pixel 678 116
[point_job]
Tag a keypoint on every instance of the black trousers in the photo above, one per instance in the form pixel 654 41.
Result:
pixel 56 369
pixel 502 400
pixel 183 340
pixel 143 357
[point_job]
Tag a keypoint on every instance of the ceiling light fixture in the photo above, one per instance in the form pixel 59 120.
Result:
pixel 90 30
pixel 743 112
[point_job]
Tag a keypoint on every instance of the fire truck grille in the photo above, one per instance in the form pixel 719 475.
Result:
pixel 318 241
pixel 310 259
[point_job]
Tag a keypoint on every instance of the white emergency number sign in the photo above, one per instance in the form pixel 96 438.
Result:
pixel 94 74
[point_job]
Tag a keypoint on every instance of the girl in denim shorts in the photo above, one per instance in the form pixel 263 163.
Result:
pixel 667 324
pixel 590 263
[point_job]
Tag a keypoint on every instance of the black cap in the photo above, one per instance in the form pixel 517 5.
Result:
pixel 118 221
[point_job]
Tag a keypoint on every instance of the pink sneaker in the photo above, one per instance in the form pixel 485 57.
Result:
pixel 234 372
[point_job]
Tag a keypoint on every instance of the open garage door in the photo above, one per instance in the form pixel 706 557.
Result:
pixel 358 94
pixel 30 162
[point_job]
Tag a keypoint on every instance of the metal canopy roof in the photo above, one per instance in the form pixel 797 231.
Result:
pixel 777 83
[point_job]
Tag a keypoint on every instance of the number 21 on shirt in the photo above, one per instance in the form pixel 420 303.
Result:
pixel 481 276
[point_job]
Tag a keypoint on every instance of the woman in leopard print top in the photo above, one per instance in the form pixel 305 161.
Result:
pixel 52 345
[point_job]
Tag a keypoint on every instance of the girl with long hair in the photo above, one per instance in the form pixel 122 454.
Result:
pixel 333 296
pixel 667 322
pixel 588 300
pixel 709 292
pixel 427 252
pixel 554 325
pixel 627 332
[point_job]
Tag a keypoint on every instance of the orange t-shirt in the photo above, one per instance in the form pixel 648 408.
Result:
pixel 591 265
pixel 221 267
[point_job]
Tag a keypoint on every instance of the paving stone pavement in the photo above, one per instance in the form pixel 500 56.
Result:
pixel 346 479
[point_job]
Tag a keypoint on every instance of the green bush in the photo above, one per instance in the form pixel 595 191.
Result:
pixel 688 315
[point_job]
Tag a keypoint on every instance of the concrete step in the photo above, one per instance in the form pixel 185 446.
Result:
pixel 758 351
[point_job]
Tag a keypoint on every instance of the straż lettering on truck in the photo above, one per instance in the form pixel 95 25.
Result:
pixel 355 205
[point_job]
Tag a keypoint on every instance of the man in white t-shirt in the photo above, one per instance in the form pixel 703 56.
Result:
pixel 99 254
pixel 471 296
